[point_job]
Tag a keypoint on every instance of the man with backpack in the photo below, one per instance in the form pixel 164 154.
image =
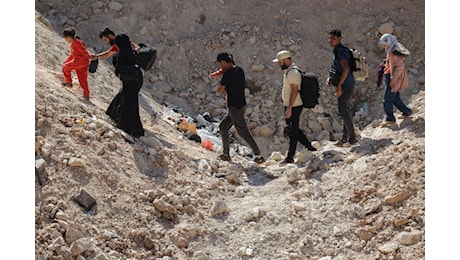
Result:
pixel 292 104
pixel 341 76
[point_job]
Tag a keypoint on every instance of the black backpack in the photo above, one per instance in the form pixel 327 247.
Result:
pixel 146 57
pixel 309 89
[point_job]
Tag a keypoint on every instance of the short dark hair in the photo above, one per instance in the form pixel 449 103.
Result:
pixel 106 32
pixel 69 32
pixel 336 32
pixel 224 56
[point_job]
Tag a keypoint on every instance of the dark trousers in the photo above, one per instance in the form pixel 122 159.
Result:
pixel 391 99
pixel 345 113
pixel 124 108
pixel 236 117
pixel 296 135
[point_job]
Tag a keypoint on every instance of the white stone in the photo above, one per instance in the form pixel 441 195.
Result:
pixel 304 156
pixel 200 255
pixel 115 6
pixel 240 192
pixel 276 156
pixel 409 238
pixel 293 175
pixel 219 208
pixel 76 162
pixel 258 68
pixel 389 248
pixel 298 206
pixel 40 164
pixel 316 144
pixel 324 135
pixel 81 245
pixel 264 131
pixel 315 126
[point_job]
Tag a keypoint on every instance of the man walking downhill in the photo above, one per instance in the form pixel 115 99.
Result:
pixel 345 82
pixel 292 102
pixel 233 84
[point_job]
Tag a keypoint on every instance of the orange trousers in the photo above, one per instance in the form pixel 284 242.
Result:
pixel 82 73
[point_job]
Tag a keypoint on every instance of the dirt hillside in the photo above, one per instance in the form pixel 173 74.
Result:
pixel 165 197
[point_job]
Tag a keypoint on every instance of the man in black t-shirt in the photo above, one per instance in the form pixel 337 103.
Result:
pixel 233 84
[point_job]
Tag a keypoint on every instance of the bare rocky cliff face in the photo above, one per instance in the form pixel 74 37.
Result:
pixel 158 197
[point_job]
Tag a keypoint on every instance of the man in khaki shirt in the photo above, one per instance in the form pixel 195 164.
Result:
pixel 292 103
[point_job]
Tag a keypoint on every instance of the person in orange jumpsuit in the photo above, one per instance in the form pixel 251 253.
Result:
pixel 78 60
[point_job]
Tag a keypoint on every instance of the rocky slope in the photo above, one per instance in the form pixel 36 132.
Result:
pixel 159 197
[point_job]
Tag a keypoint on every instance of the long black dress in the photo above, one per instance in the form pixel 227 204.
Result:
pixel 124 108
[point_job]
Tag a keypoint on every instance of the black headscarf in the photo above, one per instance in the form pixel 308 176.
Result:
pixel 126 53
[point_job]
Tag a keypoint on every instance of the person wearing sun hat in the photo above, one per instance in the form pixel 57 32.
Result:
pixel 292 103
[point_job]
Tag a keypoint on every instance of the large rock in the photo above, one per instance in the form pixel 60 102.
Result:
pixel 200 255
pixel 276 156
pixel 264 131
pixel 81 245
pixel 393 199
pixel 388 27
pixel 364 234
pixel 258 68
pixel 85 199
pixel 115 6
pixel 388 248
pixel 219 208
pixel 164 206
pixel 76 162
pixel 304 156
pixel 293 175
pixel 315 127
pixel 326 124
pixel 409 238
pixel 73 233
pixel 324 135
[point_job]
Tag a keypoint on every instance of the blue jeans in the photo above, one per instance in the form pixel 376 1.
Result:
pixel 391 99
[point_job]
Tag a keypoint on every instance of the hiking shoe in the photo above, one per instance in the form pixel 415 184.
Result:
pixel 69 85
pixel 86 98
pixel 353 141
pixel 341 142
pixel 311 148
pixel 387 123
pixel 286 161
pixel 225 157
pixel 404 115
pixel 259 159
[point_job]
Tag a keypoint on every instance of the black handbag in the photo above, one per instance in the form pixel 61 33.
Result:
pixel 93 66
pixel 129 73
pixel 334 77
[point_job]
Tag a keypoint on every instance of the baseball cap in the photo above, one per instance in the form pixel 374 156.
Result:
pixel 282 55
pixel 224 56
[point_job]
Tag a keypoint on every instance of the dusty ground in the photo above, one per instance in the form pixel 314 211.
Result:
pixel 158 197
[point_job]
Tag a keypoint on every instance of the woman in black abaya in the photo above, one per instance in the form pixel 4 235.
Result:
pixel 128 116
